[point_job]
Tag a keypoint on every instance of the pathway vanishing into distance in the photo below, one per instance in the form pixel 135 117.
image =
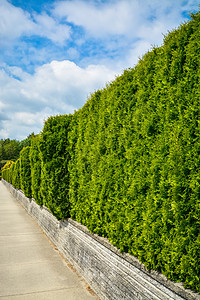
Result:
pixel 30 267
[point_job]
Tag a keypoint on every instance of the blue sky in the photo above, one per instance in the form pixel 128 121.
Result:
pixel 54 54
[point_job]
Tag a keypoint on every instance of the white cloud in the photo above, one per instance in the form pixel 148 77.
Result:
pixel 122 17
pixel 99 20
pixel 20 124
pixel 2 105
pixel 133 25
pixel 48 27
pixel 54 88
pixel 115 34
pixel 15 23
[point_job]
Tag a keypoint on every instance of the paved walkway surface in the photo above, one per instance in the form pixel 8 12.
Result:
pixel 30 267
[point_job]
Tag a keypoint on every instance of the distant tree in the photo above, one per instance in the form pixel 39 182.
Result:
pixel 9 149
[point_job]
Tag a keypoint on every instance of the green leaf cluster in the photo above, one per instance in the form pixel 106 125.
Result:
pixel 127 164
pixel 25 171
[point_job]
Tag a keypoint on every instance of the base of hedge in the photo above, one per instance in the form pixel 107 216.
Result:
pixel 111 275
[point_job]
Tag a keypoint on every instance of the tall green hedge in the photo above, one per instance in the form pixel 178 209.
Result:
pixel 16 175
pixel 6 171
pixel 55 156
pixel 127 163
pixel 35 166
pixel 135 176
pixel 25 171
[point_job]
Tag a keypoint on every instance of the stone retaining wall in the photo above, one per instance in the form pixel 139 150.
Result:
pixel 110 274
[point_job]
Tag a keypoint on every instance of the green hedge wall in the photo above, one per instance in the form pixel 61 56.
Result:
pixel 54 148
pixel 25 171
pixel 35 166
pixel 127 164
pixel 6 171
pixel 16 175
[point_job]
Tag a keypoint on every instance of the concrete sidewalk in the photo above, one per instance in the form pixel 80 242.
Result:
pixel 30 267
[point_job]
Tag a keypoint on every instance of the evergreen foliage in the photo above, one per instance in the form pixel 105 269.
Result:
pixel 16 175
pixel 127 164
pixel 25 171
pixel 6 170
pixel 54 148
pixel 9 149
pixel 35 165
